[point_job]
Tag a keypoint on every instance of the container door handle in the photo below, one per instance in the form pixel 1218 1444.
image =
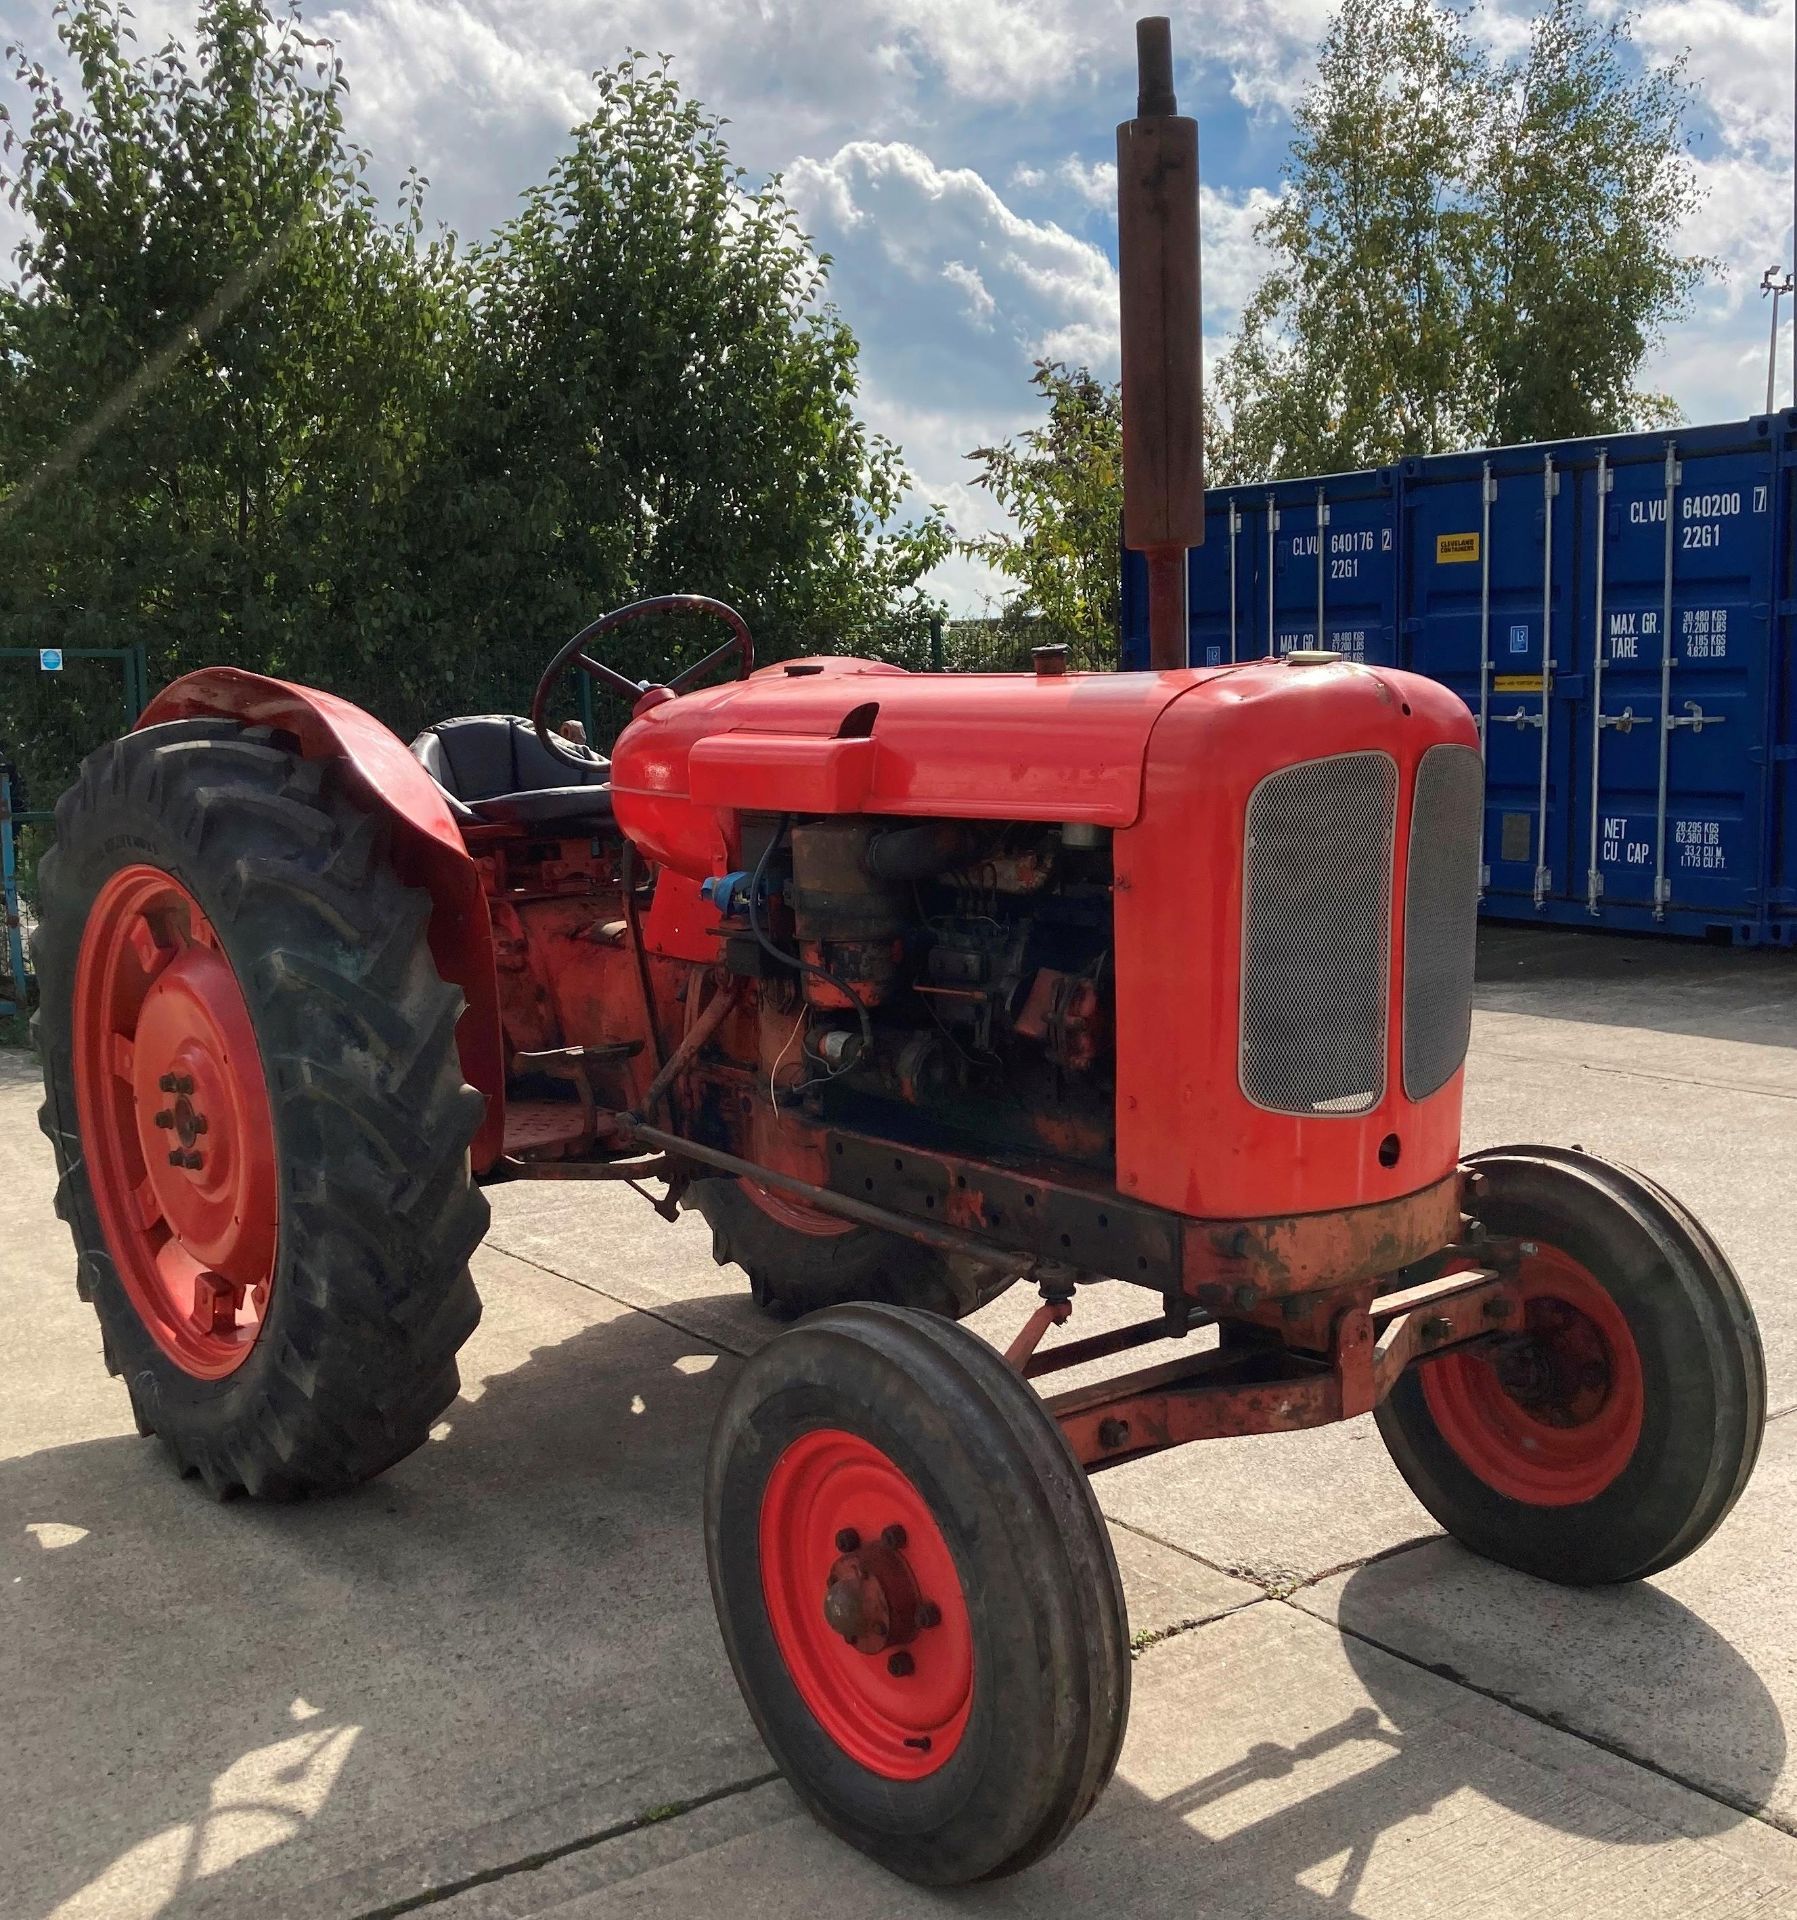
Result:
pixel 1520 718
pixel 1623 722
pixel 1695 718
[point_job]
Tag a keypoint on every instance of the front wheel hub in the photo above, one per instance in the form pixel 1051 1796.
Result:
pixel 175 1121
pixel 1551 1415
pixel 875 1635
pixel 871 1599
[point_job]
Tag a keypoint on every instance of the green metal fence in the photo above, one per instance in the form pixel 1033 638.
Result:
pixel 31 765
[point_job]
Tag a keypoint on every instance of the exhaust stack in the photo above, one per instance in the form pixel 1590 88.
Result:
pixel 1163 372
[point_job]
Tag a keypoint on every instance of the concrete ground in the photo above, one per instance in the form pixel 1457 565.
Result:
pixel 490 1684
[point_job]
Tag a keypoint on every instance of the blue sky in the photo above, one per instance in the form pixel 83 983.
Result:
pixel 952 156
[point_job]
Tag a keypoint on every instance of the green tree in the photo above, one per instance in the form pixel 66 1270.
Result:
pixel 1062 484
pixel 1466 251
pixel 1581 190
pixel 247 416
pixel 661 398
pixel 220 365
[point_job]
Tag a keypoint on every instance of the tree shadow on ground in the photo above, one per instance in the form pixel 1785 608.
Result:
pixel 507 1639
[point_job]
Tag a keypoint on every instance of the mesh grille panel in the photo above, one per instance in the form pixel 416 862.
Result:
pixel 1441 911
pixel 1316 934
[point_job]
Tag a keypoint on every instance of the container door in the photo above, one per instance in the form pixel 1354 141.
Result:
pixel 1674 826
pixel 1491 567
pixel 1360 574
pixel 1218 585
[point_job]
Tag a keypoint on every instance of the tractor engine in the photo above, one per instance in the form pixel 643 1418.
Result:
pixel 979 952
pixel 1200 940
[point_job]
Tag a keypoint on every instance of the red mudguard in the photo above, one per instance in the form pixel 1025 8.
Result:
pixel 428 850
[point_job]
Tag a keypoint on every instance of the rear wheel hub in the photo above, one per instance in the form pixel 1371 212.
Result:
pixel 175 1120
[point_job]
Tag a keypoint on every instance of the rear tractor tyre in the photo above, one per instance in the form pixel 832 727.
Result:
pixel 1609 1435
pixel 799 1258
pixel 917 1592
pixel 257 1109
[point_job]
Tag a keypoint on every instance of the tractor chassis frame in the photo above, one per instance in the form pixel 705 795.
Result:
pixel 1318 1314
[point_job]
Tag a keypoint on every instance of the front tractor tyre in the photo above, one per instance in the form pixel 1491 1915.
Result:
pixel 258 1113
pixel 1608 1435
pixel 917 1592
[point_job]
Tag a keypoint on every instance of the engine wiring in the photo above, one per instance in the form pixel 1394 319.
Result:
pixel 804 966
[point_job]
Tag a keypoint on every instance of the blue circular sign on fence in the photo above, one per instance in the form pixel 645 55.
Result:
pixel 49 659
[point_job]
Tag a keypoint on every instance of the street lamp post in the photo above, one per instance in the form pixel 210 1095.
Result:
pixel 1777 283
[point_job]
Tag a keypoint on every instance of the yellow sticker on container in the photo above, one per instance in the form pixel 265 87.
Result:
pixel 1453 548
pixel 1516 683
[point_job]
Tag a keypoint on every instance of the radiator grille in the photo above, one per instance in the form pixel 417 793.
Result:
pixel 1441 910
pixel 1316 934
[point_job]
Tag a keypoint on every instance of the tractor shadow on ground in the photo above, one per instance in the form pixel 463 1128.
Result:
pixel 508 1644
pixel 1396 1778
pixel 1665 985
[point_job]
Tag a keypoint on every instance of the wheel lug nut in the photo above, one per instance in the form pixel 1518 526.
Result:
pixel 847 1540
pixel 893 1538
pixel 166 1084
pixel 199 1123
pixel 928 1614
pixel 165 1118
pixel 900 1665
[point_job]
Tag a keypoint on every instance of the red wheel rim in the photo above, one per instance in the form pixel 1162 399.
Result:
pixel 1554 1415
pixel 175 1125
pixel 896 1705
pixel 799 1215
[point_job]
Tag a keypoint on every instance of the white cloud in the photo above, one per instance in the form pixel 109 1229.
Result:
pixel 1096 184
pixel 1739 57
pixel 980 304
pixel 903 215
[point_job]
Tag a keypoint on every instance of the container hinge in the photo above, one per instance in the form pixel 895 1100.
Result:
pixel 1695 718
pixel 1484 876
pixel 1544 884
pixel 1490 486
pixel 1780 896
pixel 1759 756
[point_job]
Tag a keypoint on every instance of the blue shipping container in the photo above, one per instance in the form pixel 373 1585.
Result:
pixel 1615 612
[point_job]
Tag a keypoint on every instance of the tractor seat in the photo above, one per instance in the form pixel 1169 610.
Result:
pixel 495 769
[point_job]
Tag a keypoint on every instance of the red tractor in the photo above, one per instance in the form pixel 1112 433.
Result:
pixel 913 985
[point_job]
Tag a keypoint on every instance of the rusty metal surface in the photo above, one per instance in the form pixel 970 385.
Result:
pixel 1163 376
pixel 1262 1384
pixel 1101 1346
pixel 722 1003
pixel 1237 1263
pixel 949 1239
pixel 1093 1231
pixel 1212 1396
pixel 1029 1336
